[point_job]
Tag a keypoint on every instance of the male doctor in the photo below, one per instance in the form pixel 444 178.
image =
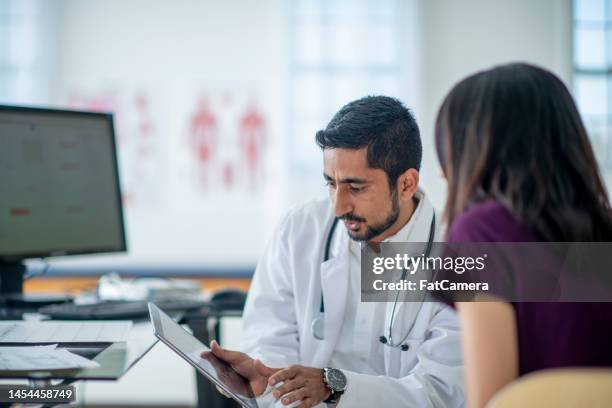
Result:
pixel 303 311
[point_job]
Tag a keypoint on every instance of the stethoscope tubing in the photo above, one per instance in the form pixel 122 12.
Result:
pixel 318 323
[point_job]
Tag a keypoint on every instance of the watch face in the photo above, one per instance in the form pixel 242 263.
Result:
pixel 336 379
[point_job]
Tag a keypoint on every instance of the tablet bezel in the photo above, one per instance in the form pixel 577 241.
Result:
pixel 155 313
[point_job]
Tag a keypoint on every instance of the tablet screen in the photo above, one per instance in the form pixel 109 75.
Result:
pixel 199 355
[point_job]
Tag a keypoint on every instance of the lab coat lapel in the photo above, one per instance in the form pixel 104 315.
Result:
pixel 334 280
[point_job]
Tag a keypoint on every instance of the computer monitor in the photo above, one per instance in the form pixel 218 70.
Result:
pixel 59 188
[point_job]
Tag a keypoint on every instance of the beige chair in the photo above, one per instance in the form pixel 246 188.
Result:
pixel 558 388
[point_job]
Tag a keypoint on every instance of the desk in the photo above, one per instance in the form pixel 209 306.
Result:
pixel 115 359
pixel 203 323
pixel 118 358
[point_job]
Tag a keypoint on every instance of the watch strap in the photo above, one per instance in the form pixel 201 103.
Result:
pixel 334 395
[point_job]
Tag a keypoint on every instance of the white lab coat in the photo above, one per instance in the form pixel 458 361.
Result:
pixel 285 297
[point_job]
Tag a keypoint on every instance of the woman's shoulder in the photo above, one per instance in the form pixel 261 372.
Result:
pixel 489 221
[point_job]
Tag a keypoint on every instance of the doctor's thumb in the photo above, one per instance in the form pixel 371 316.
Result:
pixel 229 356
pixel 216 349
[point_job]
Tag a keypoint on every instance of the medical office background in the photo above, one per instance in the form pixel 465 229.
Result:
pixel 216 106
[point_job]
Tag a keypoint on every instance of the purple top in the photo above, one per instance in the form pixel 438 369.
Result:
pixel 549 334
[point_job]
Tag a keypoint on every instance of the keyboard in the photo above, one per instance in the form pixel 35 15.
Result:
pixel 117 309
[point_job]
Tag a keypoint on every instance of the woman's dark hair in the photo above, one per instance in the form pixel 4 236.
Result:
pixel 513 134
pixel 383 125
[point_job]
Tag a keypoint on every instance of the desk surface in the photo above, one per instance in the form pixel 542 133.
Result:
pixel 115 359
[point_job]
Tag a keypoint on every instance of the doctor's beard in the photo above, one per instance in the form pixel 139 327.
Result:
pixel 373 231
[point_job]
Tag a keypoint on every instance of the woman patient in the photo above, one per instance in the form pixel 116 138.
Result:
pixel 520 168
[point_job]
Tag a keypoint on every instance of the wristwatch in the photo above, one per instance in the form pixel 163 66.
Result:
pixel 335 380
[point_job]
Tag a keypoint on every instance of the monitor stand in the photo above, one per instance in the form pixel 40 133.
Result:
pixel 11 278
pixel 11 289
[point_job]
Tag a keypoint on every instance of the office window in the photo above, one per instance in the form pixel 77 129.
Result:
pixel 19 48
pixel 26 50
pixel 593 72
pixel 340 50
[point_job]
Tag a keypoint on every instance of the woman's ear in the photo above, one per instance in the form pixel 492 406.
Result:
pixel 408 183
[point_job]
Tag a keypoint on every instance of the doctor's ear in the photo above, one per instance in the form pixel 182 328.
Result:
pixel 407 184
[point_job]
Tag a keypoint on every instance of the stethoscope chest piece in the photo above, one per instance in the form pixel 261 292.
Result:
pixel 318 327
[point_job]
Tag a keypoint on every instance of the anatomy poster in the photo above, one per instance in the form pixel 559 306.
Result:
pixel 217 145
pixel 226 142
pixel 198 163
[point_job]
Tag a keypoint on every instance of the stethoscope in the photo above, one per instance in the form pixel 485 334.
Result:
pixel 318 324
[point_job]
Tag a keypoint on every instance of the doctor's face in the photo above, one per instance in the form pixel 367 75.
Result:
pixel 360 195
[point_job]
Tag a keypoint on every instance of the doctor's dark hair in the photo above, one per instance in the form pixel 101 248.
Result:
pixel 513 134
pixel 384 126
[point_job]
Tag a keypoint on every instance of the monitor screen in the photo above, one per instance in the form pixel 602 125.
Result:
pixel 59 184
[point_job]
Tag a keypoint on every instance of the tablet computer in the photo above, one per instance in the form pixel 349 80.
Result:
pixel 189 348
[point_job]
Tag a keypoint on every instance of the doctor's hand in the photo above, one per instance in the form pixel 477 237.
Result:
pixel 300 383
pixel 254 371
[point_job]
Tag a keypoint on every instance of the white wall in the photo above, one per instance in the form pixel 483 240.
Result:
pixel 161 41
pixel 175 52
pixel 462 37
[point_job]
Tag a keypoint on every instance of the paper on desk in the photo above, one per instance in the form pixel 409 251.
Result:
pixel 57 331
pixel 43 358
